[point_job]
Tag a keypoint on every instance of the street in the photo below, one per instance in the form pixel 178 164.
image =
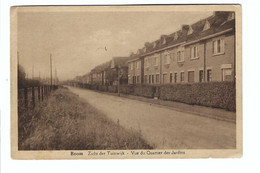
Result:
pixel 161 127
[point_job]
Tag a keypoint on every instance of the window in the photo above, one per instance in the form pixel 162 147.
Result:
pixel 190 30
pixel 175 36
pixel 137 64
pixel 156 61
pixel 231 16
pixel 129 78
pixel 150 61
pixel 134 79
pixel 191 76
pixel 206 26
pixel 146 62
pixel 164 78
pixel 163 40
pixel 175 77
pixel 157 78
pixel 138 79
pixel 218 46
pixel 194 52
pixel 167 59
pixel 145 79
pixel 180 56
pixel 152 78
pixel 154 44
pixel 226 74
pixel 170 77
pixel 209 75
pixel 182 76
pixel 172 55
pixel 201 75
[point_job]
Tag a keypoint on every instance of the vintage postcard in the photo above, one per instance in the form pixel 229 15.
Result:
pixel 126 82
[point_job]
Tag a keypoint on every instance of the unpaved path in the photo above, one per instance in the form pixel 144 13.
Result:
pixel 162 127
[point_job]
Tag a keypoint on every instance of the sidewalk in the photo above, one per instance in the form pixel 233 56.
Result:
pixel 214 113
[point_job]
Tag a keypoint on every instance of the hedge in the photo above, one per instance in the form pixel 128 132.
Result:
pixel 213 94
pixel 144 90
pixel 126 89
pixel 112 88
pixel 86 86
pixel 102 88
pixel 94 87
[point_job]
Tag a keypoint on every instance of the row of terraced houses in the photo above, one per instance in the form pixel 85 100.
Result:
pixel 200 52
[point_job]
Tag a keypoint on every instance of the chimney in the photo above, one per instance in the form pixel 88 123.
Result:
pixel 221 14
pixel 185 27
pixel 146 44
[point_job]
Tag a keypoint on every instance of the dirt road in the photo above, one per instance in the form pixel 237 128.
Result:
pixel 162 127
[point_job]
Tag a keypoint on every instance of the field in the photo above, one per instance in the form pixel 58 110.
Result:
pixel 65 122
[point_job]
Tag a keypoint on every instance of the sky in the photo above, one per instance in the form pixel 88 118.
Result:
pixel 77 40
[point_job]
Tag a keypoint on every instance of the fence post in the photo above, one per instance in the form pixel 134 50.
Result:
pixel 25 98
pixel 39 93
pixel 45 92
pixel 42 93
pixel 33 97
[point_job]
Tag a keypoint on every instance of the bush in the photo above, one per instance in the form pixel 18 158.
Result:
pixel 87 86
pixel 126 89
pixel 213 94
pixel 94 87
pixel 112 88
pixel 144 90
pixel 102 87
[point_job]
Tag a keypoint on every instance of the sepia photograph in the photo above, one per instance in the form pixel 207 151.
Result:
pixel 126 82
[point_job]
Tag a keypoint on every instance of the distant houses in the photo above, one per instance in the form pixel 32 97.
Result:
pixel 108 73
pixel 200 52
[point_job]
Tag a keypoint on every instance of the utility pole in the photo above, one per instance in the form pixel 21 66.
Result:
pixel 18 59
pixel 56 79
pixel 32 71
pixel 118 78
pixel 51 69
pixel 17 64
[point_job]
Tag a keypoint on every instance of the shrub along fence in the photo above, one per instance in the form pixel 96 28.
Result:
pixel 212 94
pixel 112 88
pixel 29 97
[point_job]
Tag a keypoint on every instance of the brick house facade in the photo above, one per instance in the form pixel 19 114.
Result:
pixel 135 71
pixel 201 52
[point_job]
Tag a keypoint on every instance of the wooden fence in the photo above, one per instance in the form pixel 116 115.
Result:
pixel 29 97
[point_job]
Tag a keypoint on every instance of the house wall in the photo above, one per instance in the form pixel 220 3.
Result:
pixel 135 71
pixel 214 62
pixel 152 69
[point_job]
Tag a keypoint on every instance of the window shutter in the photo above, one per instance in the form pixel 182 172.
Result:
pixel 215 46
pixel 192 52
pixel 223 46
pixel 197 53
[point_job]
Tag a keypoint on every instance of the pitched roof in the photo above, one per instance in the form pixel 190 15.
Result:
pixel 121 61
pixel 101 67
pixel 218 22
